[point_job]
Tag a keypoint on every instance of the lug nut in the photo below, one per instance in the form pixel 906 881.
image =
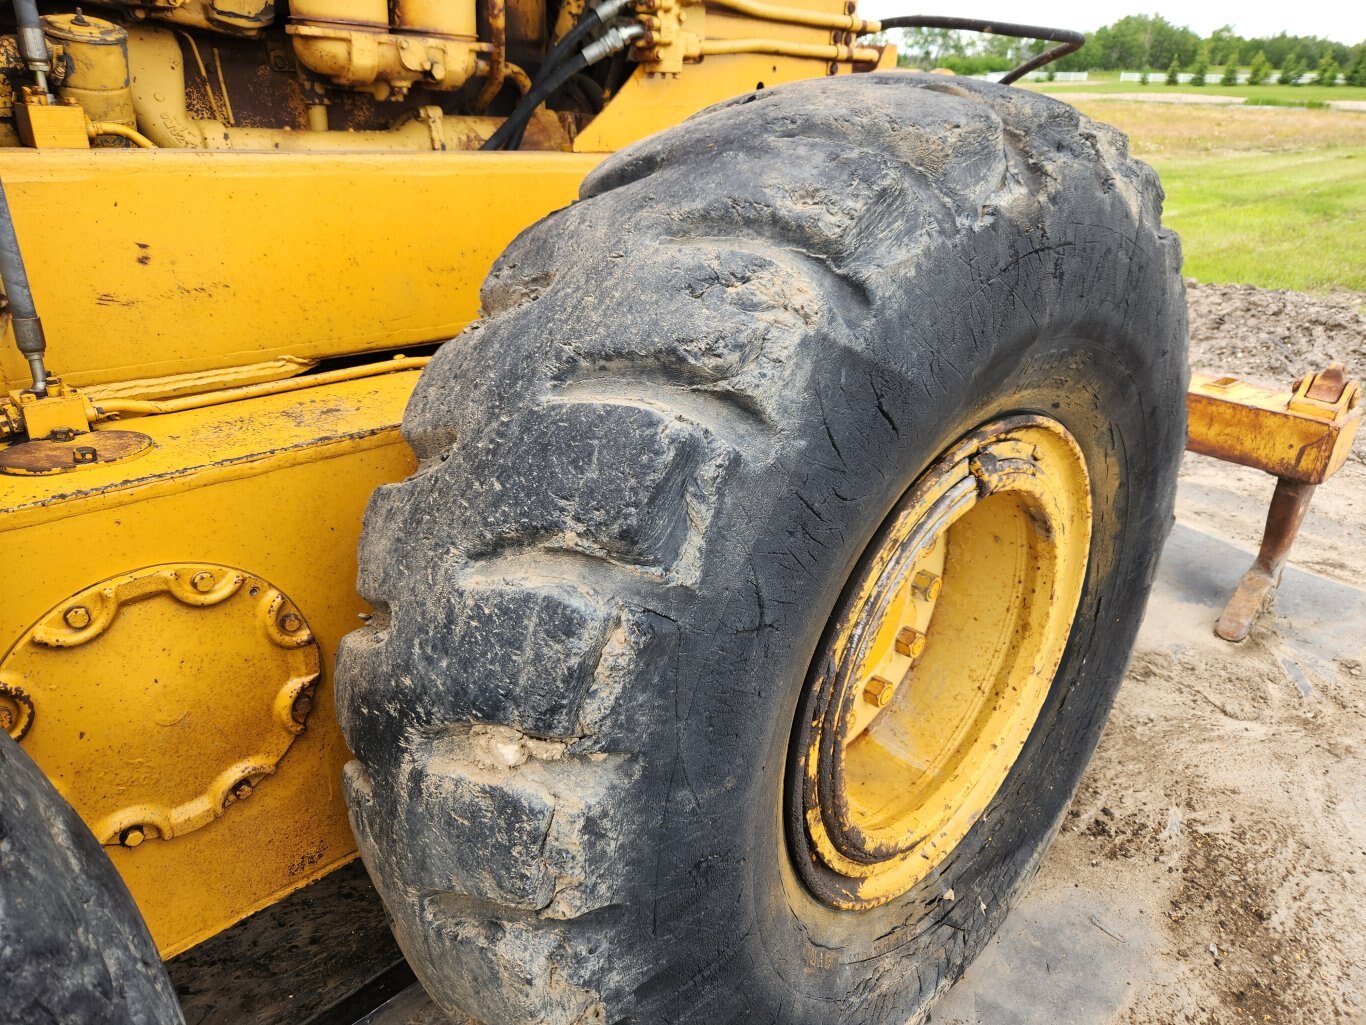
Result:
pixel 132 836
pixel 303 704
pixel 77 617
pixel 910 642
pixel 290 622
pixel 878 691
pixel 202 581
pixel 927 585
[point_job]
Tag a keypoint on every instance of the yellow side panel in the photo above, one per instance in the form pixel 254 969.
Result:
pixel 275 487
pixel 154 262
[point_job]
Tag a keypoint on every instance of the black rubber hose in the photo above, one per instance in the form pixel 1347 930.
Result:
pixel 1070 41
pixel 613 41
pixel 517 121
pixel 592 92
pixel 28 329
pixel 590 20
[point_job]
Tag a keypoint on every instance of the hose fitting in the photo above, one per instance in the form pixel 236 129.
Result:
pixel 32 42
pixel 614 40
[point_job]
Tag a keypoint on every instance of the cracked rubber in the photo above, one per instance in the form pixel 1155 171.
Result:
pixel 73 947
pixel 645 476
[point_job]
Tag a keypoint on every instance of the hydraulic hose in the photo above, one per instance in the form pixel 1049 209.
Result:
pixel 28 329
pixel 592 19
pixel 1069 41
pixel 613 41
pixel 32 42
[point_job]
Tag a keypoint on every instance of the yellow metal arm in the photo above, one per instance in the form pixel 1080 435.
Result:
pixel 1301 437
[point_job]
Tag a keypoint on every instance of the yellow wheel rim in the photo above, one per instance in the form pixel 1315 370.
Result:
pixel 938 661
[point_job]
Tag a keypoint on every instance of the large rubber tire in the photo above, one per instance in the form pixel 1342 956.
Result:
pixel 73 947
pixel 645 477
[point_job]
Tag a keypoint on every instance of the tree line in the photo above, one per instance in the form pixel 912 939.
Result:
pixel 1142 42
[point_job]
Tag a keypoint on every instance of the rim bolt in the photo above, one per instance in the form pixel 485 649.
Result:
pixel 878 691
pixel 77 617
pixel 132 836
pixel 910 642
pixel 289 622
pixel 243 790
pixel 927 585
pixel 202 582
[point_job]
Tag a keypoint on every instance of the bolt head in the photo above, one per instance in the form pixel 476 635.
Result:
pixel 878 691
pixel 290 622
pixel 303 704
pixel 910 642
pixel 243 790
pixel 927 585
pixel 6 718
pixel 132 836
pixel 77 617
pixel 202 581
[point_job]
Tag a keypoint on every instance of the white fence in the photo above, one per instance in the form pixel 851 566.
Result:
pixel 1160 77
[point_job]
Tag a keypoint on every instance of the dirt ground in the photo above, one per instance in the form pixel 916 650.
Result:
pixel 1213 866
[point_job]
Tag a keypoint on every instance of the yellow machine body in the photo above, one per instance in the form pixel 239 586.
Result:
pixel 224 282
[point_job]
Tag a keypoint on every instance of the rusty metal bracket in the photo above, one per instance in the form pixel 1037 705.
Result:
pixel 1300 437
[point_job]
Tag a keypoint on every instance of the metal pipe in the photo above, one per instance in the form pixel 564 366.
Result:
pixel 519 78
pixel 99 128
pixel 784 48
pixel 32 42
pixel 796 16
pixel 496 13
pixel 152 407
pixel 28 329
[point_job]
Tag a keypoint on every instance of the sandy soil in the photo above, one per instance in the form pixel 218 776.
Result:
pixel 1226 807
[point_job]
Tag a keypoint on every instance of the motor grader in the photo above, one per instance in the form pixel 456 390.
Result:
pixel 746 566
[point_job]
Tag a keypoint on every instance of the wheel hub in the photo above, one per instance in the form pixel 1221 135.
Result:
pixel 938 661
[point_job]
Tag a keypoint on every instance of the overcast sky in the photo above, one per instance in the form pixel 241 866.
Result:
pixel 1344 21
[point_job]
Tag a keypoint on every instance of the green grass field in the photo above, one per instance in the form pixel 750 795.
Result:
pixel 1269 197
pixel 1284 220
